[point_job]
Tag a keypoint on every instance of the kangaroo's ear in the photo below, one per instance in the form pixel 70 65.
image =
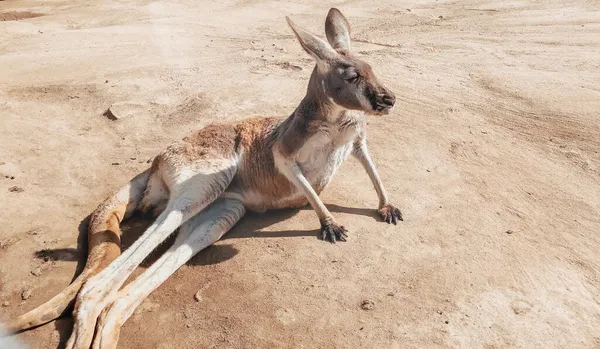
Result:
pixel 337 29
pixel 312 44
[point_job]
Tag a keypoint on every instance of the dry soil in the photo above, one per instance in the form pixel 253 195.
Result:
pixel 492 154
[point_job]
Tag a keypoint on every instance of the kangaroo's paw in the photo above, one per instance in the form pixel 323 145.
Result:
pixel 332 232
pixel 390 214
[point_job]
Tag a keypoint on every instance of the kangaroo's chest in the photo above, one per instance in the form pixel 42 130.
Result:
pixel 328 147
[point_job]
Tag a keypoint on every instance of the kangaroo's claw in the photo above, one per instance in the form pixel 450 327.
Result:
pixel 333 232
pixel 390 214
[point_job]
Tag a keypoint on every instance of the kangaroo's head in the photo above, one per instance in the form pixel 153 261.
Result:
pixel 339 75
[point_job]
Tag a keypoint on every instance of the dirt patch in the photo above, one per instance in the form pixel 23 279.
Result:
pixel 495 130
pixel 18 15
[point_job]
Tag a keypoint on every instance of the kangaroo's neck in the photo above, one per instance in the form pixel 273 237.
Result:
pixel 315 109
pixel 316 105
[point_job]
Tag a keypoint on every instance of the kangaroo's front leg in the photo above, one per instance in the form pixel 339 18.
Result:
pixel 330 230
pixel 388 212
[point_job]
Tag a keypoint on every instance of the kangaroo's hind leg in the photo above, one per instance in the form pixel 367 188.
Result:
pixel 193 186
pixel 199 232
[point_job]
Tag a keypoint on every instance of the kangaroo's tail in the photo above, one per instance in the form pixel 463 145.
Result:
pixel 104 246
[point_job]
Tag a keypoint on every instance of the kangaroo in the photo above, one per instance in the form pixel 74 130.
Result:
pixel 205 183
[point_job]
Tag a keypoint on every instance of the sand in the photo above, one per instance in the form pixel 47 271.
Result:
pixel 491 153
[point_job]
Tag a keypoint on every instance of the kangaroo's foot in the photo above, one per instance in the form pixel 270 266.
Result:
pixel 96 293
pixel 196 234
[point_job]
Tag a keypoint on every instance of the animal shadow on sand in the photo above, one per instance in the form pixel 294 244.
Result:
pixel 250 226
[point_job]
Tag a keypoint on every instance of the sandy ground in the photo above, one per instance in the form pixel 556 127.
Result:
pixel 496 129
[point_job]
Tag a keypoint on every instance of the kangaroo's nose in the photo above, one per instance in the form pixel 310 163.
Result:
pixel 389 99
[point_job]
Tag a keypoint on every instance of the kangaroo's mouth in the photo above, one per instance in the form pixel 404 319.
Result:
pixel 382 104
pixel 383 111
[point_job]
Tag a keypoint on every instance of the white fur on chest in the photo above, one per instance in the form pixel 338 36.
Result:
pixel 324 152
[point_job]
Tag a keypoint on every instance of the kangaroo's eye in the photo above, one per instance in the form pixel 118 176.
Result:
pixel 353 79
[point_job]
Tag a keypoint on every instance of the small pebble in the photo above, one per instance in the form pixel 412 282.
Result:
pixel 115 164
pixel 16 189
pixel 509 232
pixel 5 303
pixel 26 295
pixel 521 307
pixel 34 231
pixel 198 297
pixel 367 304
pixel 36 272
pixel 391 294
pixel 446 322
